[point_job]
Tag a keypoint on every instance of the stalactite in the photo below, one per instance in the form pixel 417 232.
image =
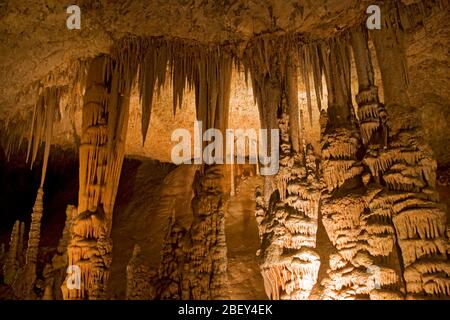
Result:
pixel 372 116
pixel 42 125
pixel 305 62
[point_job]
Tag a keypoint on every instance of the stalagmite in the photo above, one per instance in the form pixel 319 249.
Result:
pixel 288 230
pixel 26 276
pixel 11 265
pixel 139 278
pixel 55 272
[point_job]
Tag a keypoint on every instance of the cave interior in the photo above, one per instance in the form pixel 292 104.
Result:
pixel 95 207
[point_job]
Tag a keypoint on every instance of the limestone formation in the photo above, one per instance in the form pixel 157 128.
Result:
pixel 12 261
pixel 26 276
pixel 55 272
pixel 356 207
pixel 140 280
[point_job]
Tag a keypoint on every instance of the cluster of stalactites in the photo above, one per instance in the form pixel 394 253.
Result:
pixel 358 234
pixel 189 66
pixel 273 64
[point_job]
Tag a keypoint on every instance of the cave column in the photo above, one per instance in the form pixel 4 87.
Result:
pixel 408 170
pixel 287 209
pixel 105 119
pixel 201 266
pixel 371 113
pixel 344 198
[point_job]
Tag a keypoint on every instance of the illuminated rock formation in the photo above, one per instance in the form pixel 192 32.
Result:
pixel 408 170
pixel 360 232
pixel 105 118
pixel 352 212
pixel 291 265
pixel 287 210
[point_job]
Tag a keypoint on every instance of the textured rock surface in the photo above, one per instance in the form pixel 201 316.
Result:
pixel 355 166
pixel 34 32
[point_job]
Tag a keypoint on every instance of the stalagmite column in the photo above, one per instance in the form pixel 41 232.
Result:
pixel 408 170
pixel 105 118
pixel 287 209
pixel 174 256
pixel 194 261
pixel 55 272
pixel 291 265
pixel 20 247
pixel 353 271
pixel 26 277
pixel 12 262
pixel 207 277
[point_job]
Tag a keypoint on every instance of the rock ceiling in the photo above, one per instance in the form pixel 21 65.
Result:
pixel 35 33
pixel 36 45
